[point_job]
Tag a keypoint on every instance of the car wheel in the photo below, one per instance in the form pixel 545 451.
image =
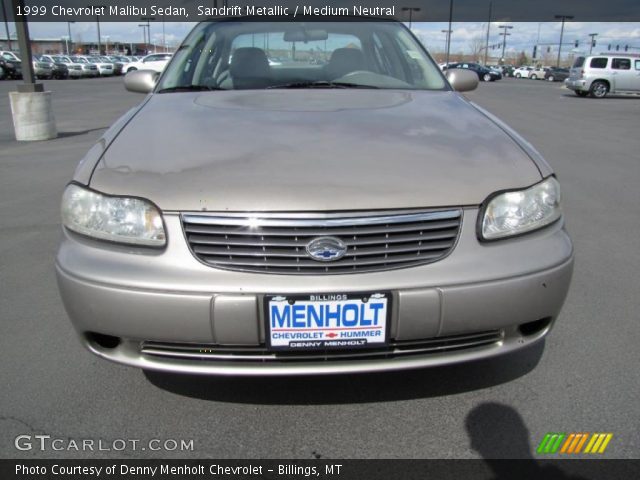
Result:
pixel 486 77
pixel 518 75
pixel 599 89
pixel 580 93
pixel 550 78
pixel 132 69
pixel 534 77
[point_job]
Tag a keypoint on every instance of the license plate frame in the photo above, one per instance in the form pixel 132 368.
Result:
pixel 339 341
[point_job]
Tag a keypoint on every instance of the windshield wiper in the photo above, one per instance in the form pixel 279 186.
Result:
pixel 189 88
pixel 321 84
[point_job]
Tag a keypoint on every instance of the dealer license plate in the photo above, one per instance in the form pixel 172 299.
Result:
pixel 327 321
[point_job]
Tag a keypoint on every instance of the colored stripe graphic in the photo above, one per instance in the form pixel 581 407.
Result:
pixel 551 442
pixel 598 443
pixel 573 443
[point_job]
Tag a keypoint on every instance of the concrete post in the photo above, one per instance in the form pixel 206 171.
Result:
pixel 30 105
pixel 32 116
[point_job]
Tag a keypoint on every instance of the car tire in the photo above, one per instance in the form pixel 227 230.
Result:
pixel 580 93
pixel 550 78
pixel 132 69
pixel 534 77
pixel 599 89
pixel 486 77
pixel 518 75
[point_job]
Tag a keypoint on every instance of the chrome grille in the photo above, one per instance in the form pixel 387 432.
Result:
pixel 277 244
pixel 261 354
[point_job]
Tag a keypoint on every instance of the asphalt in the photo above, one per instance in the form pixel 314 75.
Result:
pixel 584 378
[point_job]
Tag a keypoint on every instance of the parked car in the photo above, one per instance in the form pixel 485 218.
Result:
pixel 156 62
pixel 522 72
pixel 10 65
pixel 497 69
pixel 505 70
pixel 119 63
pixel 555 74
pixel 89 69
pixel 538 73
pixel 302 220
pixel 60 69
pixel 105 67
pixel 600 75
pixel 41 69
pixel 485 74
pixel 76 70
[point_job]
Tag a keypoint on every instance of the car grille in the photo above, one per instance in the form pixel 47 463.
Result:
pixel 261 354
pixel 277 244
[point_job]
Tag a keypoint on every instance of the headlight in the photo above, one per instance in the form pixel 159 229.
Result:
pixel 516 212
pixel 118 219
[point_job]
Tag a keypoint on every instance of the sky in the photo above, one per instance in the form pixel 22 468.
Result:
pixel 523 34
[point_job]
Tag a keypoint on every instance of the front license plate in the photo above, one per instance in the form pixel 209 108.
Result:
pixel 327 321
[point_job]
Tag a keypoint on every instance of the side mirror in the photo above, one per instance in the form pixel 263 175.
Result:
pixel 462 80
pixel 141 81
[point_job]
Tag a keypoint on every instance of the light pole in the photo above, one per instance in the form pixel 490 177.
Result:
pixel 106 51
pixel 70 43
pixel 504 41
pixel 486 45
pixel 98 8
pixel 563 18
pixel 148 19
pixel 450 31
pixel 6 25
pixel 593 41
pixel 144 36
pixel 164 41
pixel 446 41
pixel 410 10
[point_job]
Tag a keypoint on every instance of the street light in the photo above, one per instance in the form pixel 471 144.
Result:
pixel 563 18
pixel 446 41
pixel 66 43
pixel 98 8
pixel 504 41
pixel 486 45
pixel 148 19
pixel 106 52
pixel 410 10
pixel 450 31
pixel 69 43
pixel 593 41
pixel 6 25
pixel 144 37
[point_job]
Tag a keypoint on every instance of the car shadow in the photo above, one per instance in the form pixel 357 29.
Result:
pixel 353 388
pixel 499 435
pixel 81 132
pixel 612 97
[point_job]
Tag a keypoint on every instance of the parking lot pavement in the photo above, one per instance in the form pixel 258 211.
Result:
pixel 585 380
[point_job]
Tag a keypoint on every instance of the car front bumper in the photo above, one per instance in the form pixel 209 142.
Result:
pixel 478 302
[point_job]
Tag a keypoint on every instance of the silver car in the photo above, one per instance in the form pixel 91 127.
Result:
pixel 599 75
pixel 349 213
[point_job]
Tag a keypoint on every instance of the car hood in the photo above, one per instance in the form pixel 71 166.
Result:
pixel 311 150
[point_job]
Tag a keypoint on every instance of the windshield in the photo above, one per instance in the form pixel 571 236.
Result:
pixel 79 60
pixel 232 55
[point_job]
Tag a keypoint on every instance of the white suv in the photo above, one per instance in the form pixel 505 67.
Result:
pixel 156 61
pixel 599 75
